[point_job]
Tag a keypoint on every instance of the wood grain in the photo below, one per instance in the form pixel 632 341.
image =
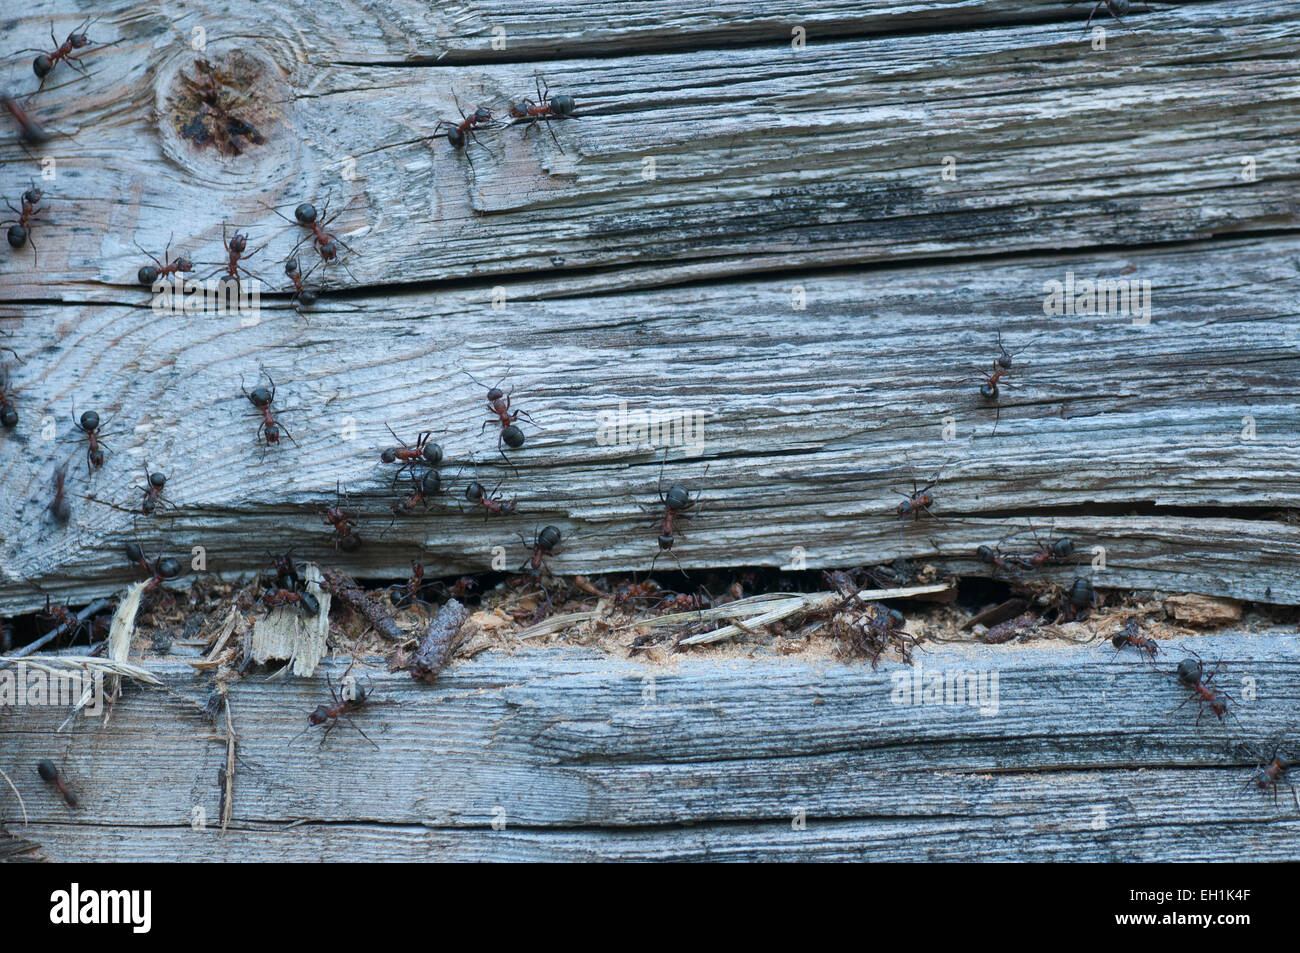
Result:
pixel 588 756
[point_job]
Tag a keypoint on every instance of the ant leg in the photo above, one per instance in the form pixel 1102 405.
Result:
pixel 360 732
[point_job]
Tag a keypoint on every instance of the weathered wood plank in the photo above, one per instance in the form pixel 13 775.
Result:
pixel 586 755
pixel 1123 436
pixel 763 159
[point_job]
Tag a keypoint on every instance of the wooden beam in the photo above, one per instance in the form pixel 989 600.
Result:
pixel 582 755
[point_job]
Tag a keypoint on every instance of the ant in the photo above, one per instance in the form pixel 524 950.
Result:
pixel 350 697
pixel 304 602
pixel 60 509
pixel 153 487
pixel 343 521
pixel 1078 599
pixel 235 248
pixel 44 63
pixel 148 274
pixel 425 487
pixel 1268 775
pixel 8 413
pixel 544 108
pixel 498 402
pixel 456 132
pixel 1131 635
pixel 989 389
pixel 920 500
pixel 31 132
pixel 675 503
pixel 90 426
pixel 1116 8
pixel 1190 674
pixel 422 452
pixel 62 617
pixel 302 294
pixel 50 775
pixel 409 594
pixel 269 428
pixel 493 505
pixel 326 244
pixel 163 568
pixel 543 544
pixel 284 574
pixel 992 556
pixel 20 231
pixel 1051 552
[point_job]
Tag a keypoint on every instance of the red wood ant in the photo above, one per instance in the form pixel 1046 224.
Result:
pixel 543 544
pixel 30 131
pixel 426 486
pixel 409 594
pixel 498 402
pixel 493 505
pixel 325 243
pixel 44 63
pixel 235 247
pixel 269 429
pixel 20 232
pixel 302 294
pixel 350 697
pixel 1048 552
pixel 675 503
pixel 8 413
pixel 153 487
pixel 283 574
pixel 304 602
pixel 90 426
pixel 60 509
pixel 62 617
pixel 544 108
pixel 989 389
pixel 409 456
pixel 457 132
pixel 1269 774
pixel 343 521
pixel 1191 675
pixel 992 556
pixel 1116 8
pixel 1078 599
pixel 1131 635
pixel 920 501
pixel 51 775
pixel 162 569
pixel 148 274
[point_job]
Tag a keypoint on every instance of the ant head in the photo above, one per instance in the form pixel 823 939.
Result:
pixel 389 455
pixel 32 196
pixel 238 243
pixel 989 391
pixel 291 267
pixel 665 541
pixel 513 436
pixel 319 716
pixel 305 213
pixel 184 264
pixel 677 498
pixel 8 417
pixel 147 275
pixel 482 114
pixel 495 394
pixel 78 40
pixel 17 236
pixel 47 771
pixel 272 433
pixel 329 250
pixel 1117 640
pixel 985 554
pixel 148 507
pixel 432 454
pixel 134 554
pixel 562 105
pixel 42 65
pixel 97 457
pixel 260 397
pixel 896 619
pixel 549 538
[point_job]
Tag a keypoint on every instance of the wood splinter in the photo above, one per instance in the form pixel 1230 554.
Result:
pixel 441 639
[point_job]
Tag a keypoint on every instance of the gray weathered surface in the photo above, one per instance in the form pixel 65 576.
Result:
pixel 813 418
pixel 590 756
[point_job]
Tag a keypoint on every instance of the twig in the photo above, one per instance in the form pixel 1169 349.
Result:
pixel 99 605
pixel 351 595
pixel 439 643
pixel 17 795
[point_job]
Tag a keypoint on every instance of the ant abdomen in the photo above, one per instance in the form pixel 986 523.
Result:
pixel 513 436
